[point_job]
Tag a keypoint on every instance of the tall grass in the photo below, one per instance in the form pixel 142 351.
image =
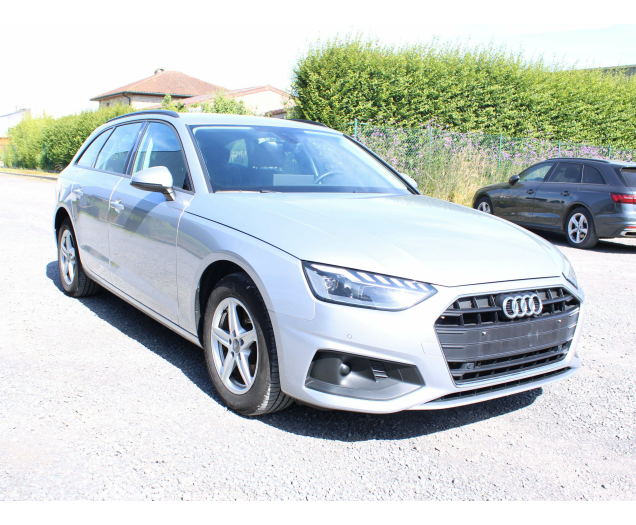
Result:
pixel 451 165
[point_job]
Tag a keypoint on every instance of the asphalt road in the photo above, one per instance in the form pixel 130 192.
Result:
pixel 97 401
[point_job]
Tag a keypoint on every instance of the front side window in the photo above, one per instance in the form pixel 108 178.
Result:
pixel 272 158
pixel 536 173
pixel 567 172
pixel 90 154
pixel 592 175
pixel 116 150
pixel 160 147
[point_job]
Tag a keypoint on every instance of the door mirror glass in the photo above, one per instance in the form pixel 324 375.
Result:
pixel 157 179
pixel 411 181
pixel 513 180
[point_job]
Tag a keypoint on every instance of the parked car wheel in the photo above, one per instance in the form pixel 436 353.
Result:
pixel 484 204
pixel 579 229
pixel 240 348
pixel 74 280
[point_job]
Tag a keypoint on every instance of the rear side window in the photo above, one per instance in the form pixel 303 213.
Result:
pixel 90 154
pixel 160 147
pixel 115 152
pixel 567 172
pixel 629 176
pixel 592 175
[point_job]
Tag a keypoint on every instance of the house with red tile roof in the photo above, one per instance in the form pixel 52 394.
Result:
pixel 149 93
pixel 151 90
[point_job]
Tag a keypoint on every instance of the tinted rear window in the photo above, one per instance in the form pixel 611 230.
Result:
pixel 88 157
pixel 568 173
pixel 592 175
pixel 115 152
pixel 629 176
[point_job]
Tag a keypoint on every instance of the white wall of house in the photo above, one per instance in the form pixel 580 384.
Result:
pixel 264 101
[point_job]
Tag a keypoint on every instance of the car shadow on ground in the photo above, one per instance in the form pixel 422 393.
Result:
pixel 618 246
pixel 298 419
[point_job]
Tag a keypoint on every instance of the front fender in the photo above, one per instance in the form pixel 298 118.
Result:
pixel 277 274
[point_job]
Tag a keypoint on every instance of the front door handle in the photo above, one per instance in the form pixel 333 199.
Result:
pixel 78 191
pixel 117 206
pixel 565 193
pixel 530 192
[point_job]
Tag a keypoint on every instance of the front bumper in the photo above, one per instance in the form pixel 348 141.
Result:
pixel 406 337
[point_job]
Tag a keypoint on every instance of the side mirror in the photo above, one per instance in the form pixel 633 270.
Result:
pixel 158 179
pixel 513 180
pixel 410 180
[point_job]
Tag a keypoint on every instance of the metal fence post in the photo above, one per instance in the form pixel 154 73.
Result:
pixel 499 154
pixel 609 154
pixel 430 144
pixel 355 129
pixel 559 154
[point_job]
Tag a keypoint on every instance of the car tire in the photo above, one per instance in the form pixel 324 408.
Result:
pixel 230 357
pixel 75 282
pixel 484 204
pixel 580 231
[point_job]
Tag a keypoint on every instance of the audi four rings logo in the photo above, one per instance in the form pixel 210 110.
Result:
pixel 518 306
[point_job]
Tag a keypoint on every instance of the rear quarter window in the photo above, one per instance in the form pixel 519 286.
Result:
pixel 629 176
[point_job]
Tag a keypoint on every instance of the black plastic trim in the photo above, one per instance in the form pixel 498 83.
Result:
pixel 165 112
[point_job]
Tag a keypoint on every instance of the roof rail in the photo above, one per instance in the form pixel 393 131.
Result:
pixel 580 158
pixel 150 111
pixel 309 122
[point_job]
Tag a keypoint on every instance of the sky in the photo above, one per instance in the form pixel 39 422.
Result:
pixel 58 55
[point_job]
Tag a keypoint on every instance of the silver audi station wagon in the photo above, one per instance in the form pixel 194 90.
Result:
pixel 308 269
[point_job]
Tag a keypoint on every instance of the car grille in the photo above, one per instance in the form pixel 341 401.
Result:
pixel 500 386
pixel 479 342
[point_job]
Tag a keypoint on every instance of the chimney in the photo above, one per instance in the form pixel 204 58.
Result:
pixel 160 70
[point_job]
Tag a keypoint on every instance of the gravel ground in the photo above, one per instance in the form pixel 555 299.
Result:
pixel 98 401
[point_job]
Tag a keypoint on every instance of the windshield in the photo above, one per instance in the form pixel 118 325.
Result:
pixel 264 158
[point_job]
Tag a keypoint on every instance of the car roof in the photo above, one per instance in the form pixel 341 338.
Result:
pixel 197 119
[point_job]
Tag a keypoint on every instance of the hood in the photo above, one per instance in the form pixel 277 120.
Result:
pixel 408 236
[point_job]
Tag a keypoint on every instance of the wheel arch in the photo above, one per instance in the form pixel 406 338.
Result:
pixel 60 215
pixel 568 210
pixel 210 277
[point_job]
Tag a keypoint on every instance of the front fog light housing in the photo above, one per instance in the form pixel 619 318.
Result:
pixel 366 290
pixel 568 272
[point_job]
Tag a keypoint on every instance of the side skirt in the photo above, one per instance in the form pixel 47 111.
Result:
pixel 150 313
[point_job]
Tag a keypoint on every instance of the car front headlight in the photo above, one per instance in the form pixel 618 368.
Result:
pixel 363 289
pixel 568 272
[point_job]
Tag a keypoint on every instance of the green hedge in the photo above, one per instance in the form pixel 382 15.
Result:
pixel 485 89
pixel 49 143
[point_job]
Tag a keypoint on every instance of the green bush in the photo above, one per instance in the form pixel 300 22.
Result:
pixel 47 143
pixel 466 89
pixel 221 103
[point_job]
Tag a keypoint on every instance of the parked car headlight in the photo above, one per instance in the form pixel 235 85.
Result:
pixel 367 290
pixel 568 272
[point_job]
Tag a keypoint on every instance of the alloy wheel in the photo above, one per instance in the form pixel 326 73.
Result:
pixel 69 261
pixel 234 345
pixel 485 207
pixel 577 228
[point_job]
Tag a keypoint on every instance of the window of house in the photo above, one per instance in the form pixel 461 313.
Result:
pixel 160 147
pixel 90 154
pixel 116 150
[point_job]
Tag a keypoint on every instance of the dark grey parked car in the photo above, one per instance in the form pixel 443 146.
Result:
pixel 586 199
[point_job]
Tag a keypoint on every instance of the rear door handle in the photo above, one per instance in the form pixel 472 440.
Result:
pixel 565 193
pixel 117 206
pixel 530 191
pixel 78 191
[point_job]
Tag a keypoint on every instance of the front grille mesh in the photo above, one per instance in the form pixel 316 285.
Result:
pixel 481 310
pixel 467 371
pixel 501 386
pixel 480 343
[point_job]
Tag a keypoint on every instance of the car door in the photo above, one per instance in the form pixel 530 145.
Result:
pixel 556 193
pixel 517 201
pixel 90 196
pixel 143 225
